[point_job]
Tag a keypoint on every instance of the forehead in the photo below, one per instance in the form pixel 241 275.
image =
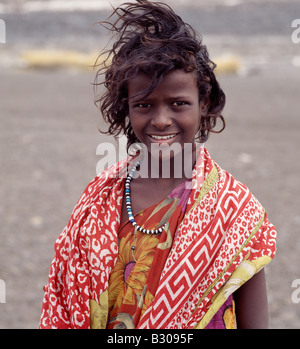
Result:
pixel 176 82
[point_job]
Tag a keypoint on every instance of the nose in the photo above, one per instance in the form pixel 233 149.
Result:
pixel 161 118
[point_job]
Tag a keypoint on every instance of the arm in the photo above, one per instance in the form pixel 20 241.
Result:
pixel 252 303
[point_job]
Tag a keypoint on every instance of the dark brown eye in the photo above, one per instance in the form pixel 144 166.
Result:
pixel 143 105
pixel 179 103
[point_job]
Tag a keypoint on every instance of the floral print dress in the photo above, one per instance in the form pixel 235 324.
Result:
pixel 136 274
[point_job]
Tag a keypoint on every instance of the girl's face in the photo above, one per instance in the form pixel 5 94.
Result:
pixel 170 114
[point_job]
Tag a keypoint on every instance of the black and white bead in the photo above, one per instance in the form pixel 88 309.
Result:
pixel 129 209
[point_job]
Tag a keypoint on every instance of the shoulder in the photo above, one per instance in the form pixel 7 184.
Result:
pixel 235 200
pixel 100 186
pixel 227 183
pixel 109 176
pixel 94 196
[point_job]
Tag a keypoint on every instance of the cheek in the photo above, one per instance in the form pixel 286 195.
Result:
pixel 201 113
pixel 136 124
pixel 132 119
pixel 194 124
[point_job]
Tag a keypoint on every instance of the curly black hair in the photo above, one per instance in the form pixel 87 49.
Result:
pixel 152 39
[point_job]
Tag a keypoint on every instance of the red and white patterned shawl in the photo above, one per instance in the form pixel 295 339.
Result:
pixel 223 226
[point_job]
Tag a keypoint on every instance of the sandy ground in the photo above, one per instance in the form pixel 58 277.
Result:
pixel 48 141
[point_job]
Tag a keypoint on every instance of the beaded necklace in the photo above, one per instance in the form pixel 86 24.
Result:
pixel 129 209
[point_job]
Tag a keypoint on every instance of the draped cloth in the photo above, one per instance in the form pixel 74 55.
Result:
pixel 134 280
pixel 223 240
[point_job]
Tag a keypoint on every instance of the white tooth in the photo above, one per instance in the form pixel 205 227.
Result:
pixel 163 137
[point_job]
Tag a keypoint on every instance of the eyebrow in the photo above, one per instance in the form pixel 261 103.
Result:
pixel 139 98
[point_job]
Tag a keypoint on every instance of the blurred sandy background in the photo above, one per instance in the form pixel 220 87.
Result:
pixel 49 130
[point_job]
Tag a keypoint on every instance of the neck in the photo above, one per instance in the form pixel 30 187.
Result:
pixel 166 169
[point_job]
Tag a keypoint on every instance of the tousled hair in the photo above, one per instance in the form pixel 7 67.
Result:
pixel 152 39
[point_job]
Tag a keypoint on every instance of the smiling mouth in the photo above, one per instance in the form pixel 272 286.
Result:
pixel 161 138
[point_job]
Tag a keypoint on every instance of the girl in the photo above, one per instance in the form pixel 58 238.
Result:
pixel 165 238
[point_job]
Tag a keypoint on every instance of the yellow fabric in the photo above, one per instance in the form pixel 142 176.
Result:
pixel 242 273
pixel 99 312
